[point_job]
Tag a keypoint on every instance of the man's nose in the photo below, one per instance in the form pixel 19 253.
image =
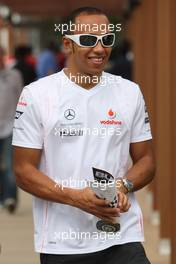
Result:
pixel 99 48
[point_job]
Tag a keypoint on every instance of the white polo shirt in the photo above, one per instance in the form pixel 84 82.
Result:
pixel 78 129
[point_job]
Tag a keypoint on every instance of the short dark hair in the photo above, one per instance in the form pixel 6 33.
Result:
pixel 87 10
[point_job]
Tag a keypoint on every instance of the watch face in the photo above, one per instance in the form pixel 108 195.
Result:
pixel 128 184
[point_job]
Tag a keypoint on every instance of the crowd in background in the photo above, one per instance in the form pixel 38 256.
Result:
pixel 23 69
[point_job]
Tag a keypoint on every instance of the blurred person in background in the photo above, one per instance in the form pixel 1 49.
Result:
pixel 48 61
pixel 30 58
pixel 10 89
pixel 27 70
pixel 122 60
pixel 61 58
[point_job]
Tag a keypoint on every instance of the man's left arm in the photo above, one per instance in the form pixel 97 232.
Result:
pixel 143 170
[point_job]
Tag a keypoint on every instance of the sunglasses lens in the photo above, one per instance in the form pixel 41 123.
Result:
pixel 108 40
pixel 88 40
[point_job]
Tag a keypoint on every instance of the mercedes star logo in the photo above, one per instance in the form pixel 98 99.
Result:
pixel 69 114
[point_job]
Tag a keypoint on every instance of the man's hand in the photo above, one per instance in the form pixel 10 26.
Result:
pixel 123 202
pixel 90 203
pixel 87 201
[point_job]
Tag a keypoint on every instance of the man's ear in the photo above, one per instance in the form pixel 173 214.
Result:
pixel 68 46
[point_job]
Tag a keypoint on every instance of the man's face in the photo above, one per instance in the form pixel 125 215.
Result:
pixel 91 60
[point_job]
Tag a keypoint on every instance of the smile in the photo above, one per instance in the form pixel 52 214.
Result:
pixel 97 60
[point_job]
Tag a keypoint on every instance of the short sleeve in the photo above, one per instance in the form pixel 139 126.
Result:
pixel 28 129
pixel 141 130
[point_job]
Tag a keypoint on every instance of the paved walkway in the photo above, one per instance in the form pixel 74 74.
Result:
pixel 16 235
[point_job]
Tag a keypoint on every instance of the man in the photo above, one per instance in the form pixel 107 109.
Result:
pixel 64 132
pixel 47 62
pixel 23 66
pixel 10 89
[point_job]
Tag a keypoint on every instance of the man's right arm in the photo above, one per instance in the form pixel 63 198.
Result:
pixel 30 179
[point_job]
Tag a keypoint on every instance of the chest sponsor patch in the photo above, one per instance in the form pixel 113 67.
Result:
pixel 112 118
pixel 18 114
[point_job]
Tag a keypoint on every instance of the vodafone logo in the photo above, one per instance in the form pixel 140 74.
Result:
pixel 110 122
pixel 111 116
pixel 22 102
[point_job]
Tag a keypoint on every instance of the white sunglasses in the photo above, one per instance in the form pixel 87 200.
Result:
pixel 90 41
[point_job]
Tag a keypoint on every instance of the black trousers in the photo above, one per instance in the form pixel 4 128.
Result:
pixel 130 253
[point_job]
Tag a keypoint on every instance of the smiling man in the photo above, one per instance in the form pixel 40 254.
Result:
pixel 92 50
pixel 56 150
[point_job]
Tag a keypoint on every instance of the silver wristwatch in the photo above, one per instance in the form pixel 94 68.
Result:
pixel 128 185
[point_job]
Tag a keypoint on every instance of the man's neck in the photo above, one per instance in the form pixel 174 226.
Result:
pixel 84 80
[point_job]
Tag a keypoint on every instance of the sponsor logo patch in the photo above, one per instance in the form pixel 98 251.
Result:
pixel 22 101
pixel 112 118
pixel 18 114
pixel 69 114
